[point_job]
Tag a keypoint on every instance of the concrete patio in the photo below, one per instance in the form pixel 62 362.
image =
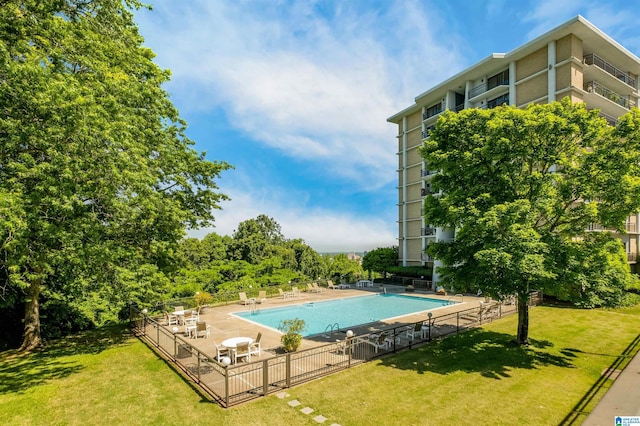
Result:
pixel 225 325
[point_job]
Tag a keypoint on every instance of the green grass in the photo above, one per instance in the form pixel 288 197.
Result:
pixel 480 377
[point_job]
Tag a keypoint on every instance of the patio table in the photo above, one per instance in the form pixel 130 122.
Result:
pixel 233 342
pixel 180 315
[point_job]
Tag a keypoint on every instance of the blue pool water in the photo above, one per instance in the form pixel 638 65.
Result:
pixel 347 312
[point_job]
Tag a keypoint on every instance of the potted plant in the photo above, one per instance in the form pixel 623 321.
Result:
pixel 291 339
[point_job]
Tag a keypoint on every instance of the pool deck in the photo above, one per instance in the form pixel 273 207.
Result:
pixel 225 325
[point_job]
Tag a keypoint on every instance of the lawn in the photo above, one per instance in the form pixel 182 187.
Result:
pixel 480 377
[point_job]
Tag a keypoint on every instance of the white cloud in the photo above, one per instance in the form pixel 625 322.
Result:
pixel 547 14
pixel 610 17
pixel 322 229
pixel 318 87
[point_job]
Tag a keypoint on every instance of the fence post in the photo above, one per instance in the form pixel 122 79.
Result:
pixel 175 347
pixel 430 324
pixel 288 369
pixel 198 365
pixel 457 322
pixel 265 377
pixel 226 386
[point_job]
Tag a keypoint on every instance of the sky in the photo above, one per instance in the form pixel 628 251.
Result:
pixel 295 95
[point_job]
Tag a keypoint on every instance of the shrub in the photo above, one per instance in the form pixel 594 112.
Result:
pixel 202 298
pixel 291 339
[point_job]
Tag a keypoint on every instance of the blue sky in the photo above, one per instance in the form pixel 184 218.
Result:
pixel 295 94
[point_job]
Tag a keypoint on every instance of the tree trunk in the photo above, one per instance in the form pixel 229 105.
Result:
pixel 523 319
pixel 32 338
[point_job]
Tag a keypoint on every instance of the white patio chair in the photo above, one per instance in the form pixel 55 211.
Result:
pixel 417 330
pixel 254 347
pixel 241 351
pixel 202 328
pixel 172 319
pixel 221 351
pixel 380 341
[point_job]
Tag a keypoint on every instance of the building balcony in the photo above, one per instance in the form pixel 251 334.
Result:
pixel 429 231
pixel 432 111
pixel 611 120
pixel 427 191
pixel 426 258
pixel 628 227
pixel 485 87
pixel 425 172
pixel 593 59
pixel 597 88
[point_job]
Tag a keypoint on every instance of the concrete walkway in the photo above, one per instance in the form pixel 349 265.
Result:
pixel 622 398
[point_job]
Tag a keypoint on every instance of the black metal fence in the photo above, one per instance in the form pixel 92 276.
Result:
pixel 229 385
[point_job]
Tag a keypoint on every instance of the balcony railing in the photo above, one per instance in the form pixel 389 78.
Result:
pixel 593 59
pixel 425 172
pixel 595 87
pixel 431 111
pixel 427 191
pixel 426 257
pixel 632 257
pixel 428 231
pixel 611 120
pixel 628 226
pixel 478 90
pixel 500 100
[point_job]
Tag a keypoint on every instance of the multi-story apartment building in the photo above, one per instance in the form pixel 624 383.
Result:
pixel 575 59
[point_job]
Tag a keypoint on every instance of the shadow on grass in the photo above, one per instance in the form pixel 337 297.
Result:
pixel 489 353
pixel 579 413
pixel 20 371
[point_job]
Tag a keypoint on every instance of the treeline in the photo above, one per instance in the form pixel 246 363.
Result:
pixel 256 255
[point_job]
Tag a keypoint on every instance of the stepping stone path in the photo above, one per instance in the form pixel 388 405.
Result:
pixel 306 410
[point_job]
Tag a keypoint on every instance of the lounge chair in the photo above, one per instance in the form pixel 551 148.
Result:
pixel 317 287
pixel 202 328
pixel 262 296
pixel 380 341
pixel 241 351
pixel 330 285
pixel 284 294
pixel 311 288
pixel 489 310
pixel 295 292
pixel 254 347
pixel 243 298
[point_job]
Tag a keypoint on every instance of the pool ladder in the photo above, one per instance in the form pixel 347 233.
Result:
pixel 331 328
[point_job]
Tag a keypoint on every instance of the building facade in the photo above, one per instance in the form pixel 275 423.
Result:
pixel 575 59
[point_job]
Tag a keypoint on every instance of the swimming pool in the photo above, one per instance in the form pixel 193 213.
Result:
pixel 347 312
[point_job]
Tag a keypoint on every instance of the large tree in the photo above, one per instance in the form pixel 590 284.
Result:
pixel 256 239
pixel 380 260
pixel 521 187
pixel 97 179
